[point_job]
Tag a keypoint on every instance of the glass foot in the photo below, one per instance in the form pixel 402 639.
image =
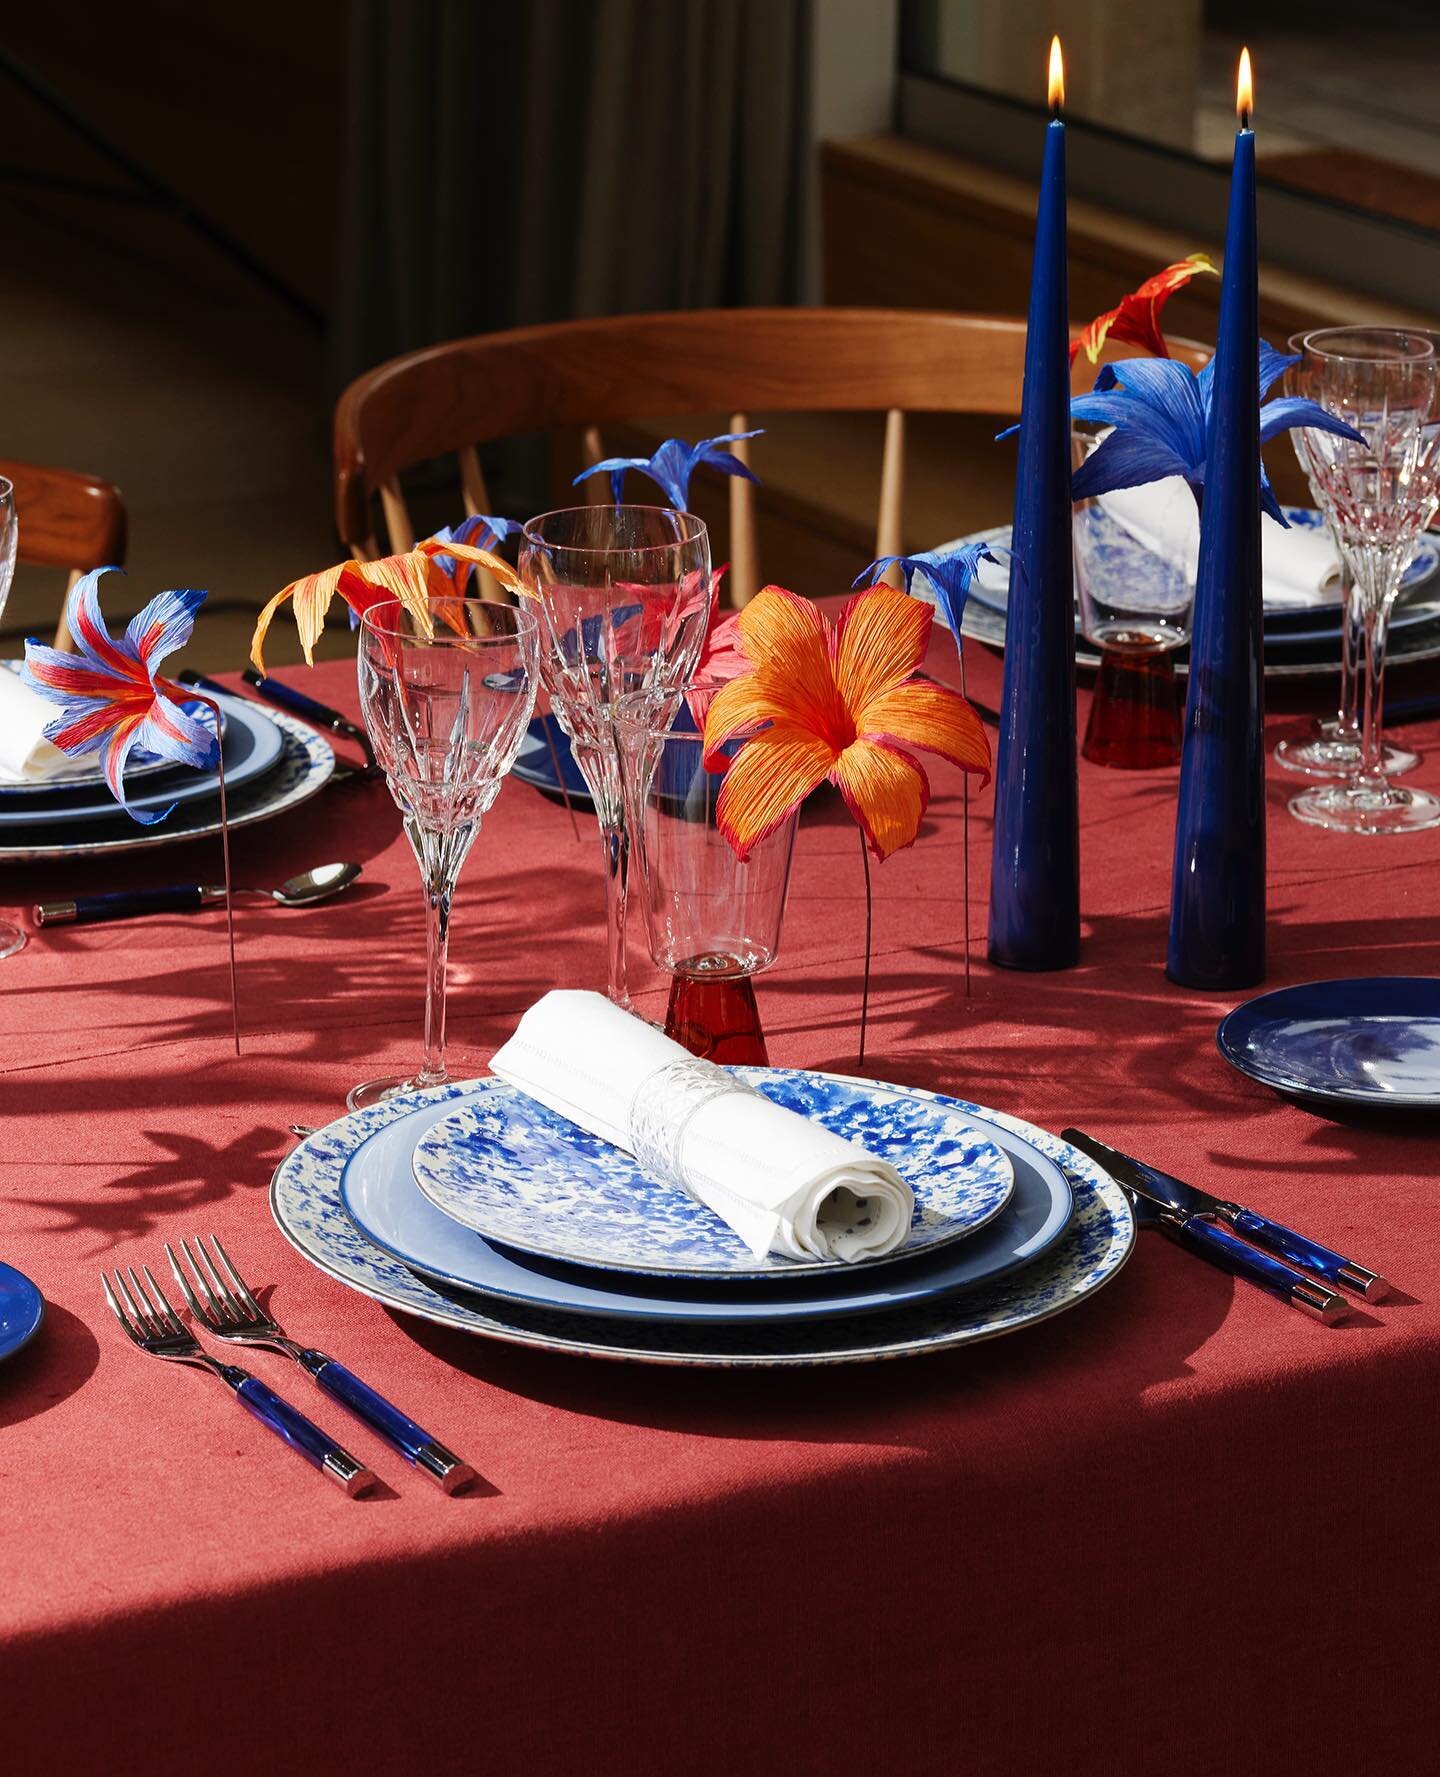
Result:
pixel 716 1018
pixel 1348 809
pixel 1135 712
pixel 1328 753
pixel 370 1092
pixel 11 938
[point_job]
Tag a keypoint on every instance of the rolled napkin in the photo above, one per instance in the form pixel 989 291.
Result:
pixel 26 757
pixel 784 1184
pixel 1296 564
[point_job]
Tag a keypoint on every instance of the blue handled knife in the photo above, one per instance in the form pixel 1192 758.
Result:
pixel 1213 1227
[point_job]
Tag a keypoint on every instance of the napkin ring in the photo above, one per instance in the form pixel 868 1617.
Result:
pixel 663 1105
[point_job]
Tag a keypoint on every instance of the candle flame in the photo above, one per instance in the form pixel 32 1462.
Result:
pixel 1057 75
pixel 1244 91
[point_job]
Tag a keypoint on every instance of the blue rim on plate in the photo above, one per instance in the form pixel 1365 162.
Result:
pixel 22 1309
pixel 252 746
pixel 383 1200
pixel 306 765
pixel 305 1202
pixel 518 1174
pixel 1371 1040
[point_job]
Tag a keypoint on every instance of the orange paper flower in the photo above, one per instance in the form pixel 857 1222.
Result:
pixel 1137 320
pixel 840 704
pixel 414 578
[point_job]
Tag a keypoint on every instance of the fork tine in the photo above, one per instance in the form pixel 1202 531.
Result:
pixel 116 1309
pixel 169 1319
pixel 182 1278
pixel 143 1320
pixel 216 1314
pixel 155 1320
pixel 237 1279
pixel 227 1307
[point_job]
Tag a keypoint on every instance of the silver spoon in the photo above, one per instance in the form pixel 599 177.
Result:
pixel 304 890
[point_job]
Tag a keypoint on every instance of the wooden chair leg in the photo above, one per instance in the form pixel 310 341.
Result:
pixel 744 554
pixel 63 638
pixel 890 526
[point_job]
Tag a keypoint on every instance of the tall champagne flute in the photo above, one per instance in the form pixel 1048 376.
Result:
pixel 623 593
pixel 11 936
pixel 1379 497
pixel 1333 748
pixel 446 697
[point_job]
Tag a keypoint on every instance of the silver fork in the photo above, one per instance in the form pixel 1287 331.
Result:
pixel 226 1307
pixel 154 1326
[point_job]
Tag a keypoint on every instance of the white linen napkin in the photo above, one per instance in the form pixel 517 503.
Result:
pixel 784 1184
pixel 1162 516
pixel 26 757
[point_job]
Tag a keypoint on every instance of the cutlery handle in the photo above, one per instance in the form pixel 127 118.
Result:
pixel 317 1447
pixel 1210 1240
pixel 89 910
pixel 1309 1255
pixel 398 1430
pixel 299 704
pixel 198 682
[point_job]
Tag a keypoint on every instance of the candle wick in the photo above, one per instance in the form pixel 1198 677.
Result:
pixel 1245 118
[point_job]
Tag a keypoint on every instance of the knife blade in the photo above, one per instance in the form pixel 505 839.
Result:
pixel 1199 1230
pixel 1297 1249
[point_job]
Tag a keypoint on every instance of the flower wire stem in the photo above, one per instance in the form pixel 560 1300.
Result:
pixel 214 708
pixel 869 917
pixel 560 779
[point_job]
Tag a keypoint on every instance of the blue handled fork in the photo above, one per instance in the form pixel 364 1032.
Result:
pixel 221 1301
pixel 153 1325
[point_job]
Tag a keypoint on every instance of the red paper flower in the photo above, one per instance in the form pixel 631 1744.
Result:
pixel 1137 320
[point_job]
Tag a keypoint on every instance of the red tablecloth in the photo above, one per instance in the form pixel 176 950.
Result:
pixel 1180 1529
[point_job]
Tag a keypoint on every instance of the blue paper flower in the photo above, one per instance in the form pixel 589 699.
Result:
pixel 673 464
pixel 1160 412
pixel 111 698
pixel 951 572
pixel 481 532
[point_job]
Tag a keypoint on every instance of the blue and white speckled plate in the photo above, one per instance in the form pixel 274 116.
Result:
pixel 305 1201
pixel 385 1203
pixel 519 1174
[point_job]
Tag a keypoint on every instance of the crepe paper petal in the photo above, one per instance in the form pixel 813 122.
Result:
pixel 1289 411
pixel 673 463
pixel 1128 459
pixel 479 529
pixel 768 779
pixel 1273 364
pixel 1136 320
pixel 109 695
pixel 311 596
pixel 933 718
pixel 886 791
pixel 880 640
pixel 949 572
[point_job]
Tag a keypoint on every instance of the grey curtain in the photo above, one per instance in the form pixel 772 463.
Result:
pixel 507 163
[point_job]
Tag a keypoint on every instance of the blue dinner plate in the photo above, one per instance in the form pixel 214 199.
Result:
pixel 382 1199
pixel 305 1201
pixel 252 746
pixel 1370 1040
pixel 22 1308
pixel 515 1172
pixel 535 762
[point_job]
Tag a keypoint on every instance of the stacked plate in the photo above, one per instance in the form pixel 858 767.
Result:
pixel 473 1206
pixel 1299 642
pixel 272 763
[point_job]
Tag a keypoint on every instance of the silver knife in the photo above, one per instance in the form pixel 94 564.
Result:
pixel 1193 1219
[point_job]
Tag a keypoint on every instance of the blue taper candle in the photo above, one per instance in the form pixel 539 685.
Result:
pixel 1217 900
pixel 1035 860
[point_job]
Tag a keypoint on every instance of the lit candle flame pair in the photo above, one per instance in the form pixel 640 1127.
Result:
pixel 1244 85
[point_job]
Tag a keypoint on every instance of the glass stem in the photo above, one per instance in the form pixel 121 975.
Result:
pixel 1352 640
pixel 616 839
pixel 1376 624
pixel 440 856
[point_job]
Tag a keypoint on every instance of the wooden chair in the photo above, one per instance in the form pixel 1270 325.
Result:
pixel 67 520
pixel 583 375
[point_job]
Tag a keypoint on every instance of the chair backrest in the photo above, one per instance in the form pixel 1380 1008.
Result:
pixel 583 375
pixel 67 520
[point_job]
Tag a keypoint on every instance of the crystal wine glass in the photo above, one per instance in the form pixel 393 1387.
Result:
pixel 624 597
pixel 446 698
pixel 1378 497
pixel 11 936
pixel 1333 749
